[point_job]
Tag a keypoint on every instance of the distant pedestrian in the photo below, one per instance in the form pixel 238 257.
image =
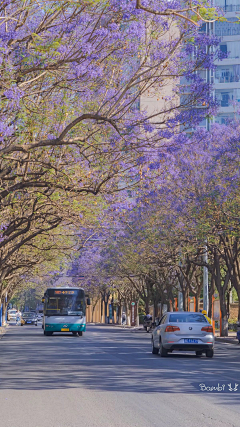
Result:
pixel 238 331
pixel 18 317
pixel 208 318
pixel 124 319
pixel 148 316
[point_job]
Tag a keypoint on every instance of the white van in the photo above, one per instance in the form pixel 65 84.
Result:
pixel 12 314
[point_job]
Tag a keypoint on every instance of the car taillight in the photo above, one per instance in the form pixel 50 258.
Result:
pixel 207 329
pixel 172 328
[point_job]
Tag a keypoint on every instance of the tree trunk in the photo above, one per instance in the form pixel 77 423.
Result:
pixel 93 307
pixel 119 318
pixel 211 293
pixel 4 309
pixel 106 306
pixel 223 308
pixel 147 305
pixel 169 305
pixel 184 293
pixel 155 312
pixel 221 292
pixel 102 311
pixel 224 325
pixel 137 318
pixel 128 322
pixel 237 288
pixel 238 294
pixel 197 299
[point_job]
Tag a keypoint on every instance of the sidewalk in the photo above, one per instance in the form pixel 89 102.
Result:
pixel 2 331
pixel 231 339
pixel 115 325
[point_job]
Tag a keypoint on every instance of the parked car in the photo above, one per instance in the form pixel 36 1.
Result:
pixel 183 331
pixel 29 319
pixel 11 315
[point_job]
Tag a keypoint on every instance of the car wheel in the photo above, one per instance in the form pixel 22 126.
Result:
pixel 209 353
pixel 163 352
pixel 154 349
pixel 198 353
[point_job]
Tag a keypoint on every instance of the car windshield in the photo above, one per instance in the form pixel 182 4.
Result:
pixel 187 318
pixel 65 303
pixel 28 315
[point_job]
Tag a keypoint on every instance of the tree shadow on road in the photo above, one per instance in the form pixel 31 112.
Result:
pixel 106 361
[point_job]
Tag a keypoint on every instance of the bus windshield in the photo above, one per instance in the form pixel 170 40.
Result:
pixel 65 302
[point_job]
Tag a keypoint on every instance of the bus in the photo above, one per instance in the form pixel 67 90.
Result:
pixel 64 311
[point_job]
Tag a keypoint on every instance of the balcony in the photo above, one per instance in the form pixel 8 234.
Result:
pixel 221 32
pixel 227 79
pixel 229 28
pixel 227 74
pixel 231 8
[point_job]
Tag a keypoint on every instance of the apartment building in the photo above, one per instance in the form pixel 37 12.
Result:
pixel 226 77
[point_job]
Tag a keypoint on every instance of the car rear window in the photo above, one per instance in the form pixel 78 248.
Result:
pixel 187 318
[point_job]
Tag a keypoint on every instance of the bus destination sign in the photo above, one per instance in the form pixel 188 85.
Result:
pixel 63 292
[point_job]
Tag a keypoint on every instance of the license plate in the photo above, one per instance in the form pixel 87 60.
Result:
pixel 29 322
pixel 190 341
pixel 65 329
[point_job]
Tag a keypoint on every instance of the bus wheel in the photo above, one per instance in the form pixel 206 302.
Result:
pixel 80 333
pixel 75 333
pixel 48 333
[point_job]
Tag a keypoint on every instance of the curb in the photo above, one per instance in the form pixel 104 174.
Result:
pixel 228 340
pixel 113 325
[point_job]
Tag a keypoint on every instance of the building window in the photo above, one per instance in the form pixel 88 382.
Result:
pixel 225 100
pixel 223 48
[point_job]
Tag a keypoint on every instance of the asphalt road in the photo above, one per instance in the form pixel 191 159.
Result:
pixel 109 378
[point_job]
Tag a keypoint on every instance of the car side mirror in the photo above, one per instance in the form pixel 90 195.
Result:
pixel 88 301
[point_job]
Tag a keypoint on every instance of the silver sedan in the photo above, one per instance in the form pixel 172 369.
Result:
pixel 183 331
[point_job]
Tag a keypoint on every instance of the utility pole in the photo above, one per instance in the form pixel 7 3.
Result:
pixel 180 301
pixel 205 280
